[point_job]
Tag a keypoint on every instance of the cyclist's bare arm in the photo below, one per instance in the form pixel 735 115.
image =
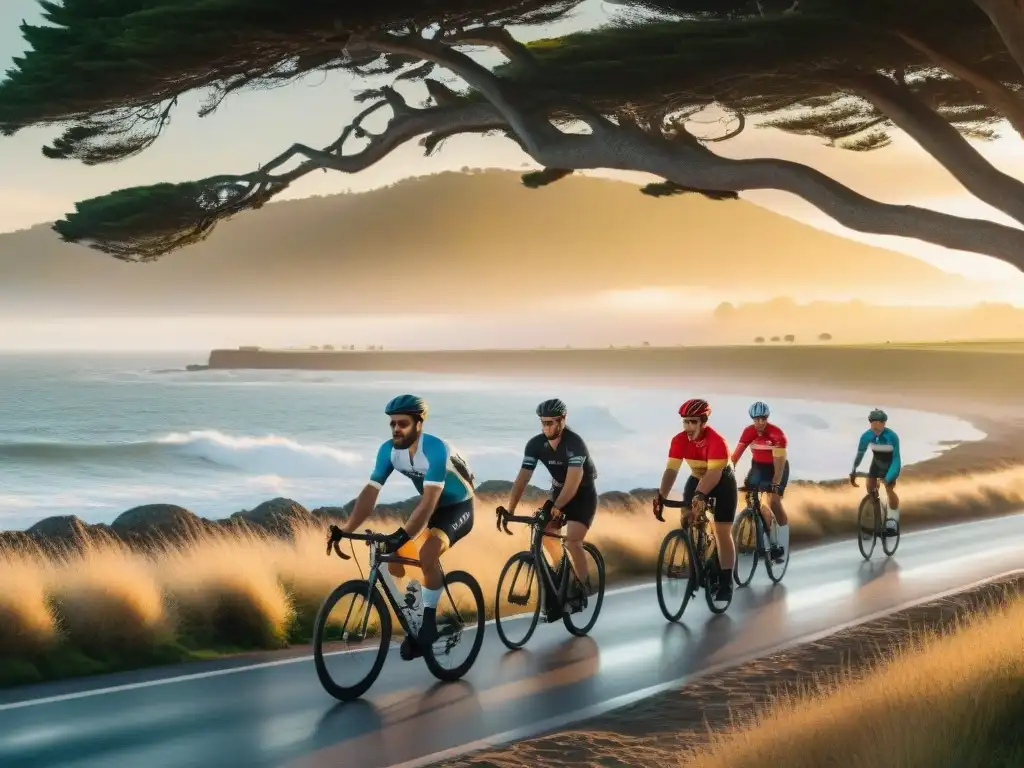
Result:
pixel 518 488
pixel 738 453
pixel 779 459
pixel 363 507
pixel 573 478
pixel 428 502
pixel 668 479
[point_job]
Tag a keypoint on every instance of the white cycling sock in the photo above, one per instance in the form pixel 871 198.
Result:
pixel 894 514
pixel 784 536
pixel 431 597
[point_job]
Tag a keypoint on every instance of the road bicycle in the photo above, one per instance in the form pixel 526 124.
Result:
pixel 553 588
pixel 748 534
pixel 872 517
pixel 377 592
pixel 694 542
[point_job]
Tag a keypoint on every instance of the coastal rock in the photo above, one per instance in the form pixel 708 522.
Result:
pixel 63 527
pixel 501 489
pixel 278 515
pixel 153 521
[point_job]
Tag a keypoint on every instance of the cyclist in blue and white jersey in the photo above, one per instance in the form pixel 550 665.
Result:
pixel 885 462
pixel 444 514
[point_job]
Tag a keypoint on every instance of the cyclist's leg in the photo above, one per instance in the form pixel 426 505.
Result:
pixel 781 520
pixel 410 550
pixel 579 515
pixel 551 545
pixel 894 501
pixel 726 497
pixel 447 525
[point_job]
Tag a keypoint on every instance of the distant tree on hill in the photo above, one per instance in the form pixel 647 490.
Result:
pixel 776 338
pixel 759 340
pixel 790 338
pixel 825 337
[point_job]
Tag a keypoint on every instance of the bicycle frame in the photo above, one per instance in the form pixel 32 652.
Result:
pixel 538 523
pixel 753 495
pixel 381 579
pixel 704 531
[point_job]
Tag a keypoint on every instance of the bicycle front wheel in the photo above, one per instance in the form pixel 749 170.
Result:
pixel 712 569
pixel 518 600
pixel 867 526
pixel 577 622
pixel 460 628
pixel 364 629
pixel 746 535
pixel 677 576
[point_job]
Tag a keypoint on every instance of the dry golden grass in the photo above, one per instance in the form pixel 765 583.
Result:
pixel 952 698
pixel 109 601
pixel 238 590
pixel 26 621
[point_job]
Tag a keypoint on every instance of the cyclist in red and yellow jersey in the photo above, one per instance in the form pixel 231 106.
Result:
pixel 707 454
pixel 769 466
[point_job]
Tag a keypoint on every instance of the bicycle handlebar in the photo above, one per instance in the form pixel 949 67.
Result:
pixel 337 535
pixel 504 517
pixel 760 488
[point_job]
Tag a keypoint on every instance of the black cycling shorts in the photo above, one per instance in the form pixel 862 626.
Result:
pixel 880 467
pixel 582 507
pixel 725 495
pixel 761 473
pixel 453 520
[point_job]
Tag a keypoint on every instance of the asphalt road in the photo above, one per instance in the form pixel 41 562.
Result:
pixel 277 714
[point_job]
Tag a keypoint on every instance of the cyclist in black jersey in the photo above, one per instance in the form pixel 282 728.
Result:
pixel 573 501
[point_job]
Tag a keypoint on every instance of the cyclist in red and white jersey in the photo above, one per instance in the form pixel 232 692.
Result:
pixel 769 466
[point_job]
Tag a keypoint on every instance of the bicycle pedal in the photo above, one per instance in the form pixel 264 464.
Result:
pixel 517 600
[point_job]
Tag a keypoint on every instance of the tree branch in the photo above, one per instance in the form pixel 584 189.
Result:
pixel 499 38
pixel 940 140
pixel 999 97
pixel 536 131
pixel 144 223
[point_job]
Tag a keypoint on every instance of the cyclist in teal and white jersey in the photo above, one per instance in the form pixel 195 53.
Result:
pixel 885 462
pixel 444 514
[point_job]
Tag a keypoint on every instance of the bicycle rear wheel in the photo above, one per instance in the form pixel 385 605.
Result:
pixel 677 575
pixel 454 623
pixel 746 535
pixel 326 633
pixel 519 586
pixel 594 570
pixel 890 541
pixel 867 526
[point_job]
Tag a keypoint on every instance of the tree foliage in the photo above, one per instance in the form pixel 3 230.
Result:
pixel 114 69
pixel 796 72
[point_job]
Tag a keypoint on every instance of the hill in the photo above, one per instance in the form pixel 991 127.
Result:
pixel 465 241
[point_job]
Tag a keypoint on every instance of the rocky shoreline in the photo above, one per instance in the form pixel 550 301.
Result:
pixel 159 524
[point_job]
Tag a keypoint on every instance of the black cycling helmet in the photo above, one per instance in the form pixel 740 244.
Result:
pixel 410 404
pixel 878 415
pixel 553 408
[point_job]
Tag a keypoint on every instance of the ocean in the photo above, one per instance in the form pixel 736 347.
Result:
pixel 94 435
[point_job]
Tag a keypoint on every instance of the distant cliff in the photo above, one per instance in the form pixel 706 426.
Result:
pixel 965 369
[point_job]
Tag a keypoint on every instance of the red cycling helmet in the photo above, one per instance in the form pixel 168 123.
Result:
pixel 695 408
